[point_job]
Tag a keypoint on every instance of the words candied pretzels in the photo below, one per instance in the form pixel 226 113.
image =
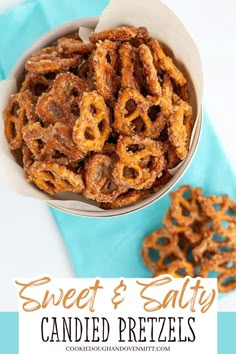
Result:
pixel 106 119
pixel 198 238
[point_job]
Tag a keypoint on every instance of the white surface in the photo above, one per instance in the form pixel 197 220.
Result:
pixel 30 246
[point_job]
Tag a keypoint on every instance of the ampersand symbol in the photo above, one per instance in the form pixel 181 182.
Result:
pixel 120 287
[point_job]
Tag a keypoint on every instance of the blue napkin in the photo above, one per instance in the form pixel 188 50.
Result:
pixel 107 247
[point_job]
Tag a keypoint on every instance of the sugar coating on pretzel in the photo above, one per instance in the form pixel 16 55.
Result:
pixel 150 70
pixel 135 114
pixel 193 225
pixel 141 161
pixel 100 185
pixel 165 63
pixel 180 127
pixel 222 210
pixel 54 178
pixel 159 248
pixel 92 128
pixel 126 199
pixel 52 144
pixel 126 53
pixel 36 84
pixel 178 269
pixel 104 62
pixel 49 59
pixel 70 45
pixel 118 34
pixel 225 266
pixel 61 103
pixel 18 113
pixel 117 101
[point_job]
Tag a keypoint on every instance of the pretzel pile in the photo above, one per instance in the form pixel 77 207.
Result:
pixel 198 237
pixel 106 119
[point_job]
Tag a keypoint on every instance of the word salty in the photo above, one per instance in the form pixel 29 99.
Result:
pixel 191 295
pixel 138 330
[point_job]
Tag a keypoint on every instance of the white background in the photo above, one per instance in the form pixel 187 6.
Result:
pixel 29 241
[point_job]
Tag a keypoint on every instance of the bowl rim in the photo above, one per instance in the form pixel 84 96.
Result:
pixel 18 69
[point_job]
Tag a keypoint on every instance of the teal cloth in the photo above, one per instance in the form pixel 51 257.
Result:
pixel 107 247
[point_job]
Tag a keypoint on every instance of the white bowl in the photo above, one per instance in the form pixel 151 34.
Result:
pixel 17 73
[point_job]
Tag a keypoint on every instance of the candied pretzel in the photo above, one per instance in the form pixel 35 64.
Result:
pixel 184 215
pixel 53 178
pixel 180 127
pixel 71 45
pixel 159 249
pixel 205 247
pixel 36 83
pixel 67 85
pixel 19 111
pixel 167 89
pixel 221 209
pixel 27 158
pixel 165 63
pixel 150 70
pixel 185 209
pixel 127 199
pixel 51 144
pixel 118 34
pixel 61 103
pixel 100 185
pixel 170 154
pixel 104 62
pixel 51 109
pixel 135 114
pixel 163 180
pixel 127 66
pixel 86 72
pixel 141 161
pixel 213 244
pixel 92 128
pixel 49 59
pixel 178 269
pixel 225 265
pixel 109 149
